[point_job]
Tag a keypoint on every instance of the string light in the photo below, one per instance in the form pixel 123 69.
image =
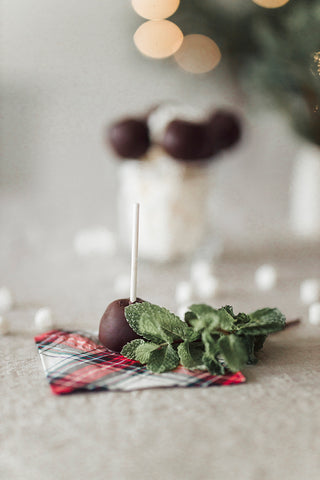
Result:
pixel 155 9
pixel 198 54
pixel 158 39
pixel 271 3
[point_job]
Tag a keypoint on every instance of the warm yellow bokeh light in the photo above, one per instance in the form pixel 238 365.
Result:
pixel 198 54
pixel 155 9
pixel 158 39
pixel 271 3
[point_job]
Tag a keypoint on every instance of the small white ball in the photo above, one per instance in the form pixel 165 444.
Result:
pixel 43 319
pixel 266 277
pixel 207 287
pixel 314 314
pixel 310 290
pixel 121 285
pixel 183 292
pixel 199 269
pixel 4 326
pixel 6 300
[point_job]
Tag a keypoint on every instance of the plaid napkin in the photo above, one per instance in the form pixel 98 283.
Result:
pixel 74 361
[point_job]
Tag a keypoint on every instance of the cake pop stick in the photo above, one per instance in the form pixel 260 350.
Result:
pixel 114 330
pixel 134 252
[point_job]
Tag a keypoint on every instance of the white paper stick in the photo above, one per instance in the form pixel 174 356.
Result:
pixel 134 252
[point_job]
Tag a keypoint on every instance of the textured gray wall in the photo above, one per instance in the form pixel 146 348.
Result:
pixel 68 68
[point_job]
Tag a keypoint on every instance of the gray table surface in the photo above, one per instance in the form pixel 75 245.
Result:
pixel 268 428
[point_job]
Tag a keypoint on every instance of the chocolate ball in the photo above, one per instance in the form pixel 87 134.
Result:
pixel 114 330
pixel 130 138
pixel 188 141
pixel 225 129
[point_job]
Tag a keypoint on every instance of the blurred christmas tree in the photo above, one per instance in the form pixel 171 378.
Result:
pixel 271 51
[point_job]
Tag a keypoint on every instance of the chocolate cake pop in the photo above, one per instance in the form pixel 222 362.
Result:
pixel 225 129
pixel 114 330
pixel 188 141
pixel 130 138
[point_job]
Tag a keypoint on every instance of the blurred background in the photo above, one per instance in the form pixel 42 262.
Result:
pixel 69 68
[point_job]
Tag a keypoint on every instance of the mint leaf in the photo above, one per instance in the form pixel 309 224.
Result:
pixel 163 359
pixel 206 317
pixel 129 350
pixel 210 344
pixel 213 365
pixel 263 322
pixel 218 340
pixel 233 351
pixel 144 350
pixel 155 323
pixel 226 321
pixel 201 309
pixel 190 354
pixel 240 318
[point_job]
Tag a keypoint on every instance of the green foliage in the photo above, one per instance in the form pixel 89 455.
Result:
pixel 214 339
pixel 270 51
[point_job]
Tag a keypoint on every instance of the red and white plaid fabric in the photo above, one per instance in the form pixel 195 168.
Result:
pixel 74 361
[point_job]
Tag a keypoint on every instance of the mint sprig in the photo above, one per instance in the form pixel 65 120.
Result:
pixel 212 339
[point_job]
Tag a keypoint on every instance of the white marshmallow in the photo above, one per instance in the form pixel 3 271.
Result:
pixel 95 241
pixel 314 314
pixel 43 319
pixel 6 300
pixel 207 287
pixel 183 292
pixel 266 277
pixel 121 285
pixel 199 269
pixel 4 326
pixel 310 290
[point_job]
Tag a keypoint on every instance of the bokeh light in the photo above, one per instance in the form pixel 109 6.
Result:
pixel 316 59
pixel 155 9
pixel 158 39
pixel 198 54
pixel 271 3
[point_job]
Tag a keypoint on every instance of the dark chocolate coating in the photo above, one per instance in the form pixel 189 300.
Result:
pixel 188 141
pixel 114 330
pixel 130 138
pixel 225 129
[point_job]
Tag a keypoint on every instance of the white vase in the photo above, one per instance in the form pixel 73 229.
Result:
pixel 305 193
pixel 173 205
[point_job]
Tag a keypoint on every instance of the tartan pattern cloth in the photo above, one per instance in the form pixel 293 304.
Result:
pixel 74 361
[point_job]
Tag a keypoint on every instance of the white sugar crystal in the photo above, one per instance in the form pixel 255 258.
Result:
pixel 43 319
pixel 4 326
pixel 183 292
pixel 160 118
pixel 266 277
pixel 6 300
pixel 121 285
pixel 310 290
pixel 200 269
pixel 314 314
pixel 95 241
pixel 207 287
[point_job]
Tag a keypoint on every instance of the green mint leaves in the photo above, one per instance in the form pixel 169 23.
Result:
pixel 213 339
